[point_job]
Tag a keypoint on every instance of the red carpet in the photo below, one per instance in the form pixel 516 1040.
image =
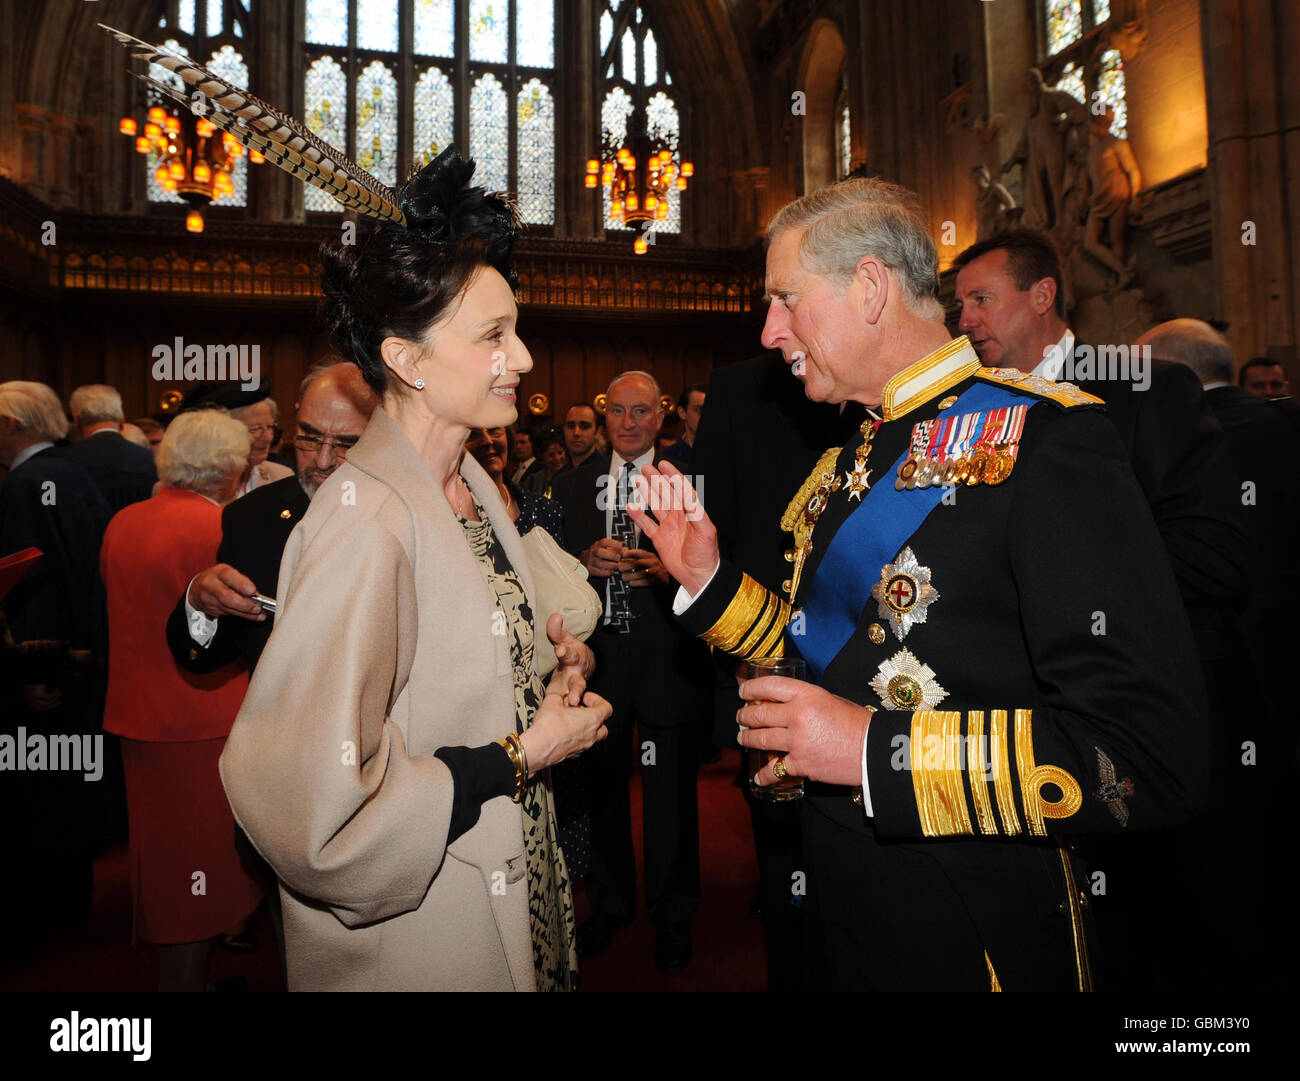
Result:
pixel 729 952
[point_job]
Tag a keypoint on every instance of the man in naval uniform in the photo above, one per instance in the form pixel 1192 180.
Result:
pixel 998 659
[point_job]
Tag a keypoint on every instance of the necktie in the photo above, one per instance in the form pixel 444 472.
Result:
pixel 621 529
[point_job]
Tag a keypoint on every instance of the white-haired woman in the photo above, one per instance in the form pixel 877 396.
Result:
pixel 262 419
pixel 187 882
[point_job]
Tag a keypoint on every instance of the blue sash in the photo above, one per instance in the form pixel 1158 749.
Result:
pixel 869 539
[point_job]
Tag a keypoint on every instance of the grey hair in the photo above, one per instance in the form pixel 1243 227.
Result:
pixel 202 451
pixel 239 413
pixel 95 403
pixel 35 407
pixel 865 216
pixel 1194 343
pixel 636 374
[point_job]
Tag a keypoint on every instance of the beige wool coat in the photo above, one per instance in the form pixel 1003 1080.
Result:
pixel 385 649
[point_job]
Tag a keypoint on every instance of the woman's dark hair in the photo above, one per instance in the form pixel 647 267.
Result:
pixel 397 281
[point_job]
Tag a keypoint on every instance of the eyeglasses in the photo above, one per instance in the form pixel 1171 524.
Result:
pixel 311 444
pixel 259 430
pixel 639 412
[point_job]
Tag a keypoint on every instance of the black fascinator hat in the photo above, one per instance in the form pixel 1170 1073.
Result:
pixel 402 277
pixel 441 207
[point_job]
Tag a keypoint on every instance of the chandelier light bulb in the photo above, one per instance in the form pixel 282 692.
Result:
pixel 127 125
pixel 194 222
pixel 142 144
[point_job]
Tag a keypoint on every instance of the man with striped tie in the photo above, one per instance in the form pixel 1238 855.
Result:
pixel 656 677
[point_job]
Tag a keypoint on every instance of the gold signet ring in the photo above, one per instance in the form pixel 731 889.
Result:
pixel 779 770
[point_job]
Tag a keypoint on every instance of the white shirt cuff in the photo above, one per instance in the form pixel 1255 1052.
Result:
pixel 201 627
pixel 866 785
pixel 684 600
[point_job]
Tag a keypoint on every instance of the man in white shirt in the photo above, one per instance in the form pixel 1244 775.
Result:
pixel 1013 305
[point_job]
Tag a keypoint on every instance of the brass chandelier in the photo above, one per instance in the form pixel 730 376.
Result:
pixel 640 175
pixel 190 157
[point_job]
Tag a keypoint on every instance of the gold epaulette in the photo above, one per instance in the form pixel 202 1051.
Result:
pixel 1062 395
pixel 752 625
pixel 793 512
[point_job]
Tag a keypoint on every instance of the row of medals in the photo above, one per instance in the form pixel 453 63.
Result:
pixel 987 463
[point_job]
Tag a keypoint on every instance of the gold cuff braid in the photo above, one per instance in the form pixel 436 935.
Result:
pixel 750 623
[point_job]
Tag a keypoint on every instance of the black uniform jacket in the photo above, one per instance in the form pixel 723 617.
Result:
pixel 1073 699
pixel 254 530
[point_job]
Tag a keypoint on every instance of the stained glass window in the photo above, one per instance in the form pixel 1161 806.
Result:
pixel 614 115
pixel 650 58
pixel 503 115
pixel 629 56
pixel 203 31
pixel 435 118
pixel 1064 24
pixel 535 33
pixel 325 100
pixel 536 133
pixel 1073 32
pixel 435 28
pixel 635 98
pixel 377 122
pixel 157 193
pixel 377 25
pixel 488 27
pixel 229 64
pixel 846 142
pixel 1110 82
pixel 327 22
pixel 489 142
pixel 1071 81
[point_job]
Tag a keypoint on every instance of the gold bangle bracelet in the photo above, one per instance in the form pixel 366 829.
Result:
pixel 523 755
pixel 510 743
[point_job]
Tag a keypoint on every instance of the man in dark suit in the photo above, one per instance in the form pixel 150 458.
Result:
pixel 215 622
pixel 1265 449
pixel 758 437
pixel 655 676
pixel 580 424
pixel 124 472
pixel 56 617
pixel 1011 291
pixel 690 407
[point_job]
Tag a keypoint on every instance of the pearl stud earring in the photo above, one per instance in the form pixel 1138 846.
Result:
pixel 419 384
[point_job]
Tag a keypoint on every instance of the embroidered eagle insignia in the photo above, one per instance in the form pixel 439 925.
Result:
pixel 1113 792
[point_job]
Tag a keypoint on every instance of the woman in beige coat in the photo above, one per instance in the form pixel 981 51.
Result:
pixel 391 758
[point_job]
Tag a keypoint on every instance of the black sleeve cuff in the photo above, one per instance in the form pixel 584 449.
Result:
pixel 478 774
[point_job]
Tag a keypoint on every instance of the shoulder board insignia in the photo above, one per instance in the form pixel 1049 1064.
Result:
pixel 1063 395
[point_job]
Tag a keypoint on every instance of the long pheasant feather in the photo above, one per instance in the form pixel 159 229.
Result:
pixel 292 162
pixel 284 141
